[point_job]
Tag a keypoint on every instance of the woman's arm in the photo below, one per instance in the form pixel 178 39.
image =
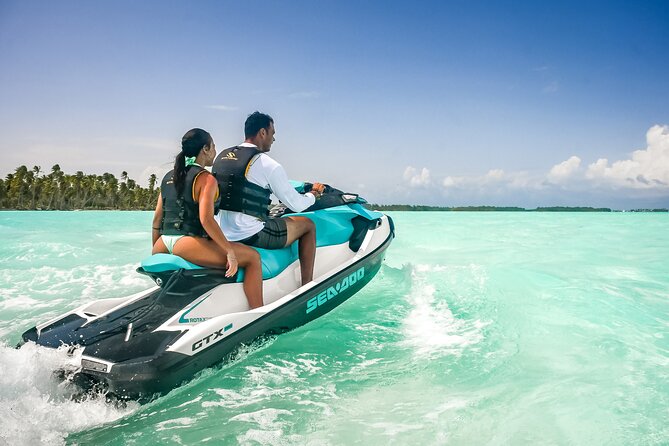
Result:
pixel 157 218
pixel 206 201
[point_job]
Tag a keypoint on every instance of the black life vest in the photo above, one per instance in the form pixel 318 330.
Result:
pixel 237 193
pixel 181 214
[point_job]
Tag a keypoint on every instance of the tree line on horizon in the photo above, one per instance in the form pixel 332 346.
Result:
pixel 410 207
pixel 423 208
pixel 33 189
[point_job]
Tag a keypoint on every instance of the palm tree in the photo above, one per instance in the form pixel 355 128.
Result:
pixel 18 185
pixel 152 184
pixel 36 171
pixel 32 189
pixel 55 180
pixel 8 190
pixel 3 194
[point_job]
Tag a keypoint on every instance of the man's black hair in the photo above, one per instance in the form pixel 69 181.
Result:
pixel 255 122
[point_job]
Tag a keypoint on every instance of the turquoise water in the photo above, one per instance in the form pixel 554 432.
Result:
pixel 481 328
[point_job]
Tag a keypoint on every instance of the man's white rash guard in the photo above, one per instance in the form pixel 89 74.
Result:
pixel 267 173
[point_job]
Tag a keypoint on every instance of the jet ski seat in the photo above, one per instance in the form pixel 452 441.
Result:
pixel 333 227
pixel 273 262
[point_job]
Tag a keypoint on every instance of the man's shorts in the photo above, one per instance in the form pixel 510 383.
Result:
pixel 273 236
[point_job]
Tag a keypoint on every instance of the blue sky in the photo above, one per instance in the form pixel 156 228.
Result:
pixel 448 103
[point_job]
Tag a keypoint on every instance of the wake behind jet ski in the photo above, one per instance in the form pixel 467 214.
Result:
pixel 150 342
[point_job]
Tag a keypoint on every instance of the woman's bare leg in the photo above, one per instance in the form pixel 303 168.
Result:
pixel 205 252
pixel 304 229
pixel 159 247
pixel 249 259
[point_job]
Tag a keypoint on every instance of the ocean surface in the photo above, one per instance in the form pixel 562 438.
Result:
pixel 481 328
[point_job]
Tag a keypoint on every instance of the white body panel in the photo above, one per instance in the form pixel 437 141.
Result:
pixel 226 306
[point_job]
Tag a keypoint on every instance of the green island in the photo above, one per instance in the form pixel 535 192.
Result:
pixel 31 189
pixel 422 208
pixel 34 189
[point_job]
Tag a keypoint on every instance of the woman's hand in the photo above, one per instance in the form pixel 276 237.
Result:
pixel 232 263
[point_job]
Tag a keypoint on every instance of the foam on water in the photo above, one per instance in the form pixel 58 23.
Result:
pixel 36 407
pixel 104 280
pixel 34 295
pixel 431 328
pixel 177 423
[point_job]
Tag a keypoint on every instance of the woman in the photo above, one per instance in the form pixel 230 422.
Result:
pixel 184 224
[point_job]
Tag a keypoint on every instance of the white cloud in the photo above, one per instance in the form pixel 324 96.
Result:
pixel 643 178
pixel 159 171
pixel 222 107
pixel 495 175
pixel 496 180
pixel 642 181
pixel 645 175
pixel 415 178
pixel 451 182
pixel 564 170
pixel 647 168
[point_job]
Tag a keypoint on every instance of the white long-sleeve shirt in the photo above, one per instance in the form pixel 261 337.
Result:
pixel 267 173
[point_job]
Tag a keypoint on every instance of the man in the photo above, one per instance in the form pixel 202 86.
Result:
pixel 247 176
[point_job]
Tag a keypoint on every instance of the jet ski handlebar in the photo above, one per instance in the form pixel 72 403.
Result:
pixel 330 197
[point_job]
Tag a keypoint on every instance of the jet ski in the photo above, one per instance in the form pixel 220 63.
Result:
pixel 146 344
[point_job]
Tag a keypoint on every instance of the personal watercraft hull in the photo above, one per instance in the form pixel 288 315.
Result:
pixel 149 343
pixel 151 375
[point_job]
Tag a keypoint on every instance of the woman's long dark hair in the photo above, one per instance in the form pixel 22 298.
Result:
pixel 192 142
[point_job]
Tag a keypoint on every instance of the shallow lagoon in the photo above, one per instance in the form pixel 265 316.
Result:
pixel 482 328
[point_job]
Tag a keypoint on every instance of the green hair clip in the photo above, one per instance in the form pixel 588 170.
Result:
pixel 190 160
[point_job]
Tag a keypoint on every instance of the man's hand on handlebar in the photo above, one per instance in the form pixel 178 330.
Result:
pixel 317 189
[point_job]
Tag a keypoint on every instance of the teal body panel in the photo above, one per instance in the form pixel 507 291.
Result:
pixel 159 263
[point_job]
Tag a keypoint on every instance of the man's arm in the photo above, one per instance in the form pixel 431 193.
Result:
pixel 281 187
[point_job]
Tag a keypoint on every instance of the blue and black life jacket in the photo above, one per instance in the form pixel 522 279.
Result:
pixel 237 193
pixel 181 214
